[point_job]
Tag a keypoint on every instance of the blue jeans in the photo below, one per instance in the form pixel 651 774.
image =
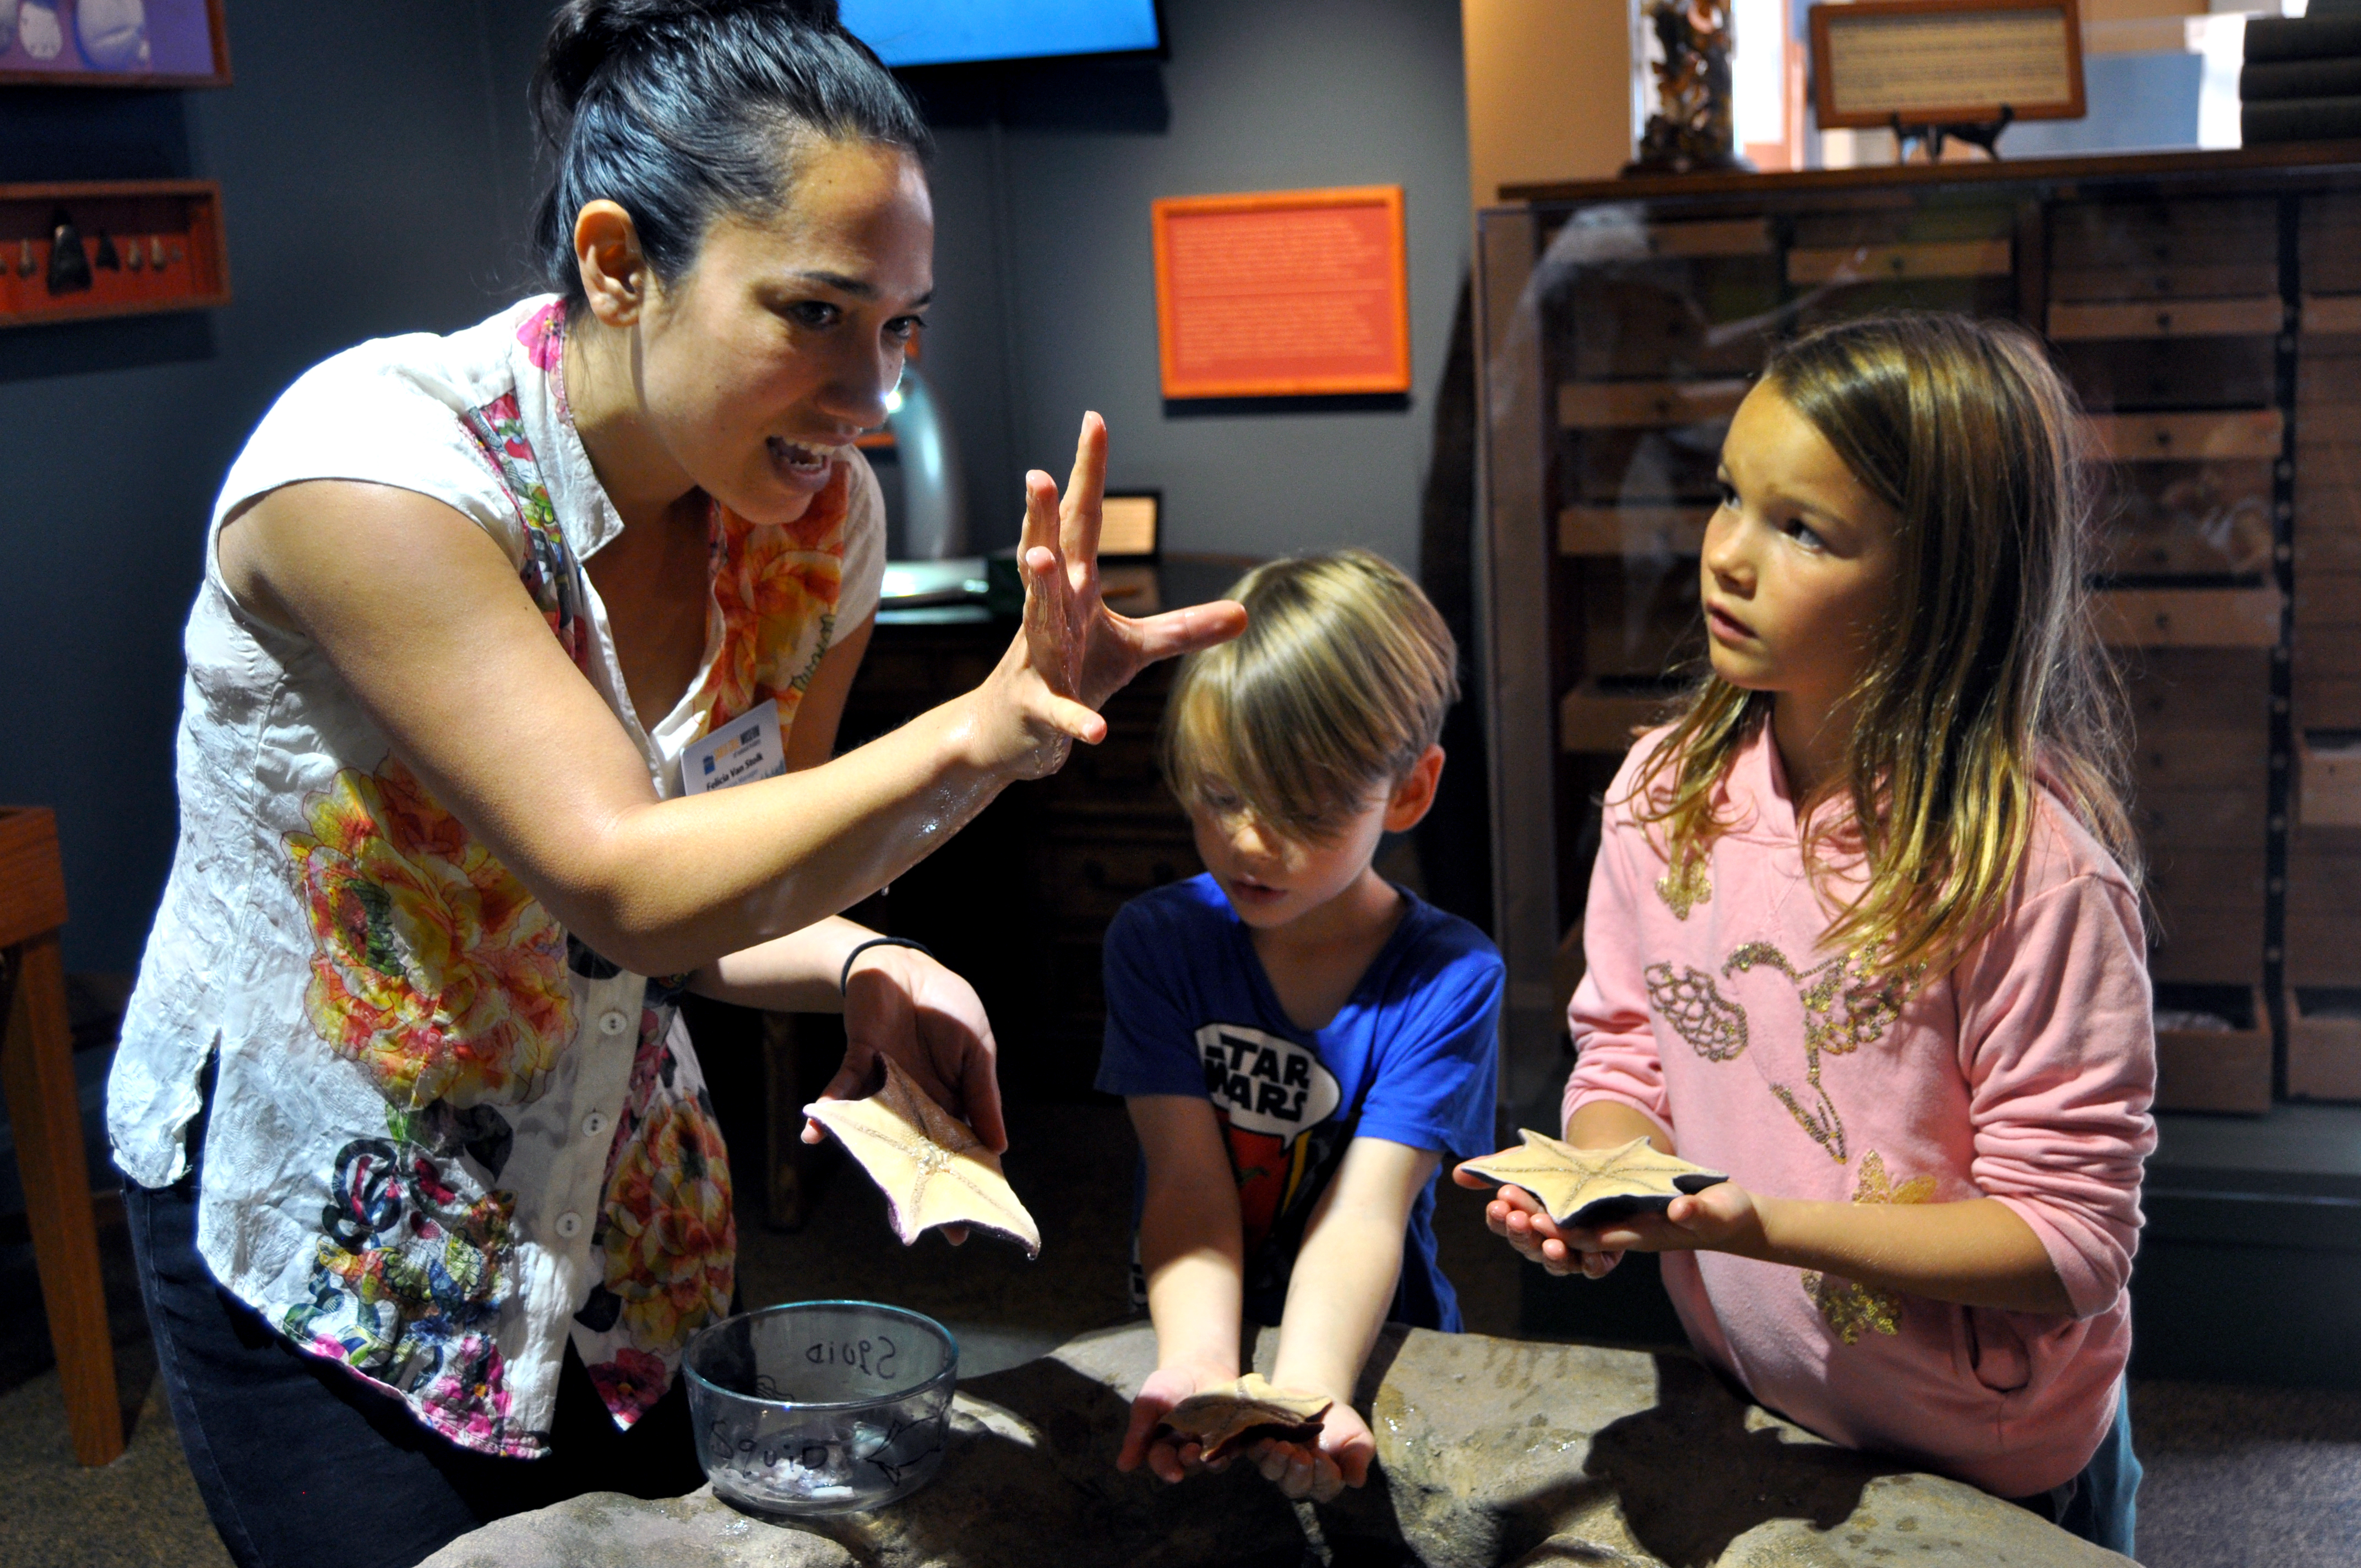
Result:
pixel 2099 1503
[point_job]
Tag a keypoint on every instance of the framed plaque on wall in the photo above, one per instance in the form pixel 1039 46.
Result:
pixel 1929 61
pixel 1283 294
pixel 114 43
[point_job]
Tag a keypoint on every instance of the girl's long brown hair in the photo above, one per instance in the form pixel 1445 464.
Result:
pixel 1987 680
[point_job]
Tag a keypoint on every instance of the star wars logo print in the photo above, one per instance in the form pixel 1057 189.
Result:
pixel 1266 1084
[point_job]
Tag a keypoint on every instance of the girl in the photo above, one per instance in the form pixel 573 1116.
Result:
pixel 1864 933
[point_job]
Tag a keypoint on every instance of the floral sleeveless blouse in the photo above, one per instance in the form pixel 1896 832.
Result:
pixel 445 1136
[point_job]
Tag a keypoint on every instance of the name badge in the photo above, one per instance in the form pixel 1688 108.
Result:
pixel 746 749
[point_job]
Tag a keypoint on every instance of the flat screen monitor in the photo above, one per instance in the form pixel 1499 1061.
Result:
pixel 949 32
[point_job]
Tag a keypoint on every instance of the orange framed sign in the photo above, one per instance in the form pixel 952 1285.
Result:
pixel 1283 294
pixel 1950 61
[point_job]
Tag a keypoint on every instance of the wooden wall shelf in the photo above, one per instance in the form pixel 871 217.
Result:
pixel 163 238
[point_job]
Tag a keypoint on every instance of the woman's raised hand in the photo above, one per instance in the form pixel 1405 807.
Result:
pixel 1074 652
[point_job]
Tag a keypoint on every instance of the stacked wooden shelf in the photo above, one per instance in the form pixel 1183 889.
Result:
pixel 2207 309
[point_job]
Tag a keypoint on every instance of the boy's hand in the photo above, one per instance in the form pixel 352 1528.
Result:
pixel 1339 1457
pixel 1169 1461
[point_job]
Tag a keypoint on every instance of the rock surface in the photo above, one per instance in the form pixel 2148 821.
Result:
pixel 1491 1453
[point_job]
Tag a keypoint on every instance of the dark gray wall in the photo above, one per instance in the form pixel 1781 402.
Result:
pixel 375 166
pixel 1256 96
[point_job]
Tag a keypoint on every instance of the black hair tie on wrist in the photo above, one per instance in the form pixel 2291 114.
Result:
pixel 844 979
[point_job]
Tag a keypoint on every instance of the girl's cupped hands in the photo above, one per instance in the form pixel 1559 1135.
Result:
pixel 1722 1218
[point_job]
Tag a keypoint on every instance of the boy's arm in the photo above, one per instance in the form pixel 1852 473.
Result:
pixel 1344 1281
pixel 1192 1253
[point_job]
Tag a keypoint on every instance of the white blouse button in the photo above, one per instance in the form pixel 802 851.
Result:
pixel 595 1123
pixel 614 1023
pixel 569 1225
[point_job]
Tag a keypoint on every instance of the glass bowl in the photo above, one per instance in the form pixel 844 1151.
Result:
pixel 821 1407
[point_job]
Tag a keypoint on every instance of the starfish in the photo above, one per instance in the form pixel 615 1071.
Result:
pixel 932 1167
pixel 1591 1186
pixel 1222 1419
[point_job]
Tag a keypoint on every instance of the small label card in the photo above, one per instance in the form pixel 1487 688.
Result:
pixel 746 748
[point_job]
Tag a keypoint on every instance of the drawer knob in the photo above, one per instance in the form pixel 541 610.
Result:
pixel 2163 321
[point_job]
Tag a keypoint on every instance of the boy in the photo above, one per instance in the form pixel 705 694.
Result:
pixel 1299 1041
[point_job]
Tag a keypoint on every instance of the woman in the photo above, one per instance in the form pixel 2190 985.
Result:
pixel 423 1181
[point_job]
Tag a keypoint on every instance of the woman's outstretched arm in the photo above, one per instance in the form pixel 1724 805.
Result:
pixel 421 614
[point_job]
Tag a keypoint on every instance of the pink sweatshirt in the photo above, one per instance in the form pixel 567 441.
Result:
pixel 2023 1074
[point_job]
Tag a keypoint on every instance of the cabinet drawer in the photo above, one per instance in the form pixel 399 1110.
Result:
pixel 1607 405
pixel 2199 761
pixel 2332 317
pixel 1903 262
pixel 1901 219
pixel 2159 438
pixel 1603 720
pixel 2325 701
pixel 2328 783
pixel 2192 518
pixel 1612 466
pixel 2328 653
pixel 2215 282
pixel 1718 326
pixel 2332 261
pixel 2258 316
pixel 2191 881
pixel 2184 373
pixel 1845 302
pixel 1639 622
pixel 1632 530
pixel 2323 949
pixel 1709 237
pixel 2213 1068
pixel 2326 500
pixel 2207 948
pixel 2324 1042
pixel 2233 819
pixel 2320 888
pixel 2190 617
pixel 2176 692
pixel 2321 424
pixel 2328 602
pixel 2321 547
pixel 2174 233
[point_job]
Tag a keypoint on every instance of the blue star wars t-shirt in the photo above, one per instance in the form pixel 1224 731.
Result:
pixel 1190 1012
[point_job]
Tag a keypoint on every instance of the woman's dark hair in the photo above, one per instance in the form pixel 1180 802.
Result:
pixel 681 111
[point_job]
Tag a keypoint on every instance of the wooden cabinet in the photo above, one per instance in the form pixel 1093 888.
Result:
pixel 2207 309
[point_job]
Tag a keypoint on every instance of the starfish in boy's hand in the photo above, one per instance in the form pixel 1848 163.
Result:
pixel 934 1170
pixel 1587 1188
pixel 1223 1420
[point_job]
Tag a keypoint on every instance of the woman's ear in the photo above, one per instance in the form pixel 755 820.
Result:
pixel 614 271
pixel 1415 792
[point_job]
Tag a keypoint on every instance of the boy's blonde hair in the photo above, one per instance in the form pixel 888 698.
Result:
pixel 1337 686
pixel 1987 681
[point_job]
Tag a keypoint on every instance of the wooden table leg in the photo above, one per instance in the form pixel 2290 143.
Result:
pixel 44 1107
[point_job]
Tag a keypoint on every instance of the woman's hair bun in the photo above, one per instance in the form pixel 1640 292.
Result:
pixel 585 33
pixel 680 110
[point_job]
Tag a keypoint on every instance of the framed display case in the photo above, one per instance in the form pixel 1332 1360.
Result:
pixel 114 43
pixel 118 248
pixel 2207 308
